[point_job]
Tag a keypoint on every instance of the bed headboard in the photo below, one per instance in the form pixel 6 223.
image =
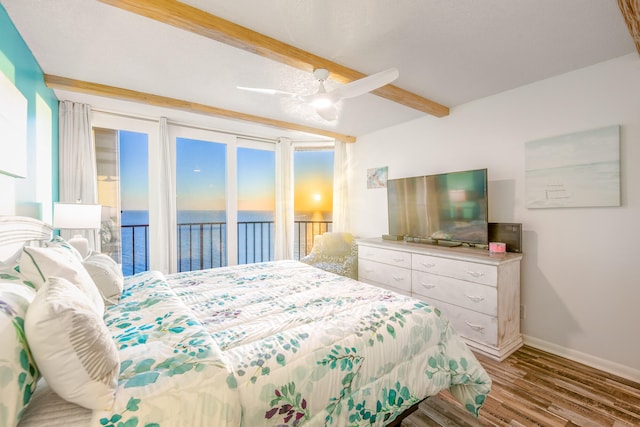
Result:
pixel 16 231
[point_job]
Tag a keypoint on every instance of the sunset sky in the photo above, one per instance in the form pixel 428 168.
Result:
pixel 313 177
pixel 201 176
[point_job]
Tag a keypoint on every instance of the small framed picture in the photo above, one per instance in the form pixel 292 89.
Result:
pixel 377 177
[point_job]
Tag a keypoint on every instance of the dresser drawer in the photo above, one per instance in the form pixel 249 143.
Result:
pixel 474 296
pixel 391 276
pixel 479 273
pixel 390 288
pixel 470 324
pixel 386 256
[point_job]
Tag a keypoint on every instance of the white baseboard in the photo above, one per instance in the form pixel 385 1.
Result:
pixel 587 359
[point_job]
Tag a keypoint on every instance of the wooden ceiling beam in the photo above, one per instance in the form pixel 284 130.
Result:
pixel 189 18
pixel 631 12
pixel 64 83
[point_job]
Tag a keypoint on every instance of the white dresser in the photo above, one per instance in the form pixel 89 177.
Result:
pixel 477 291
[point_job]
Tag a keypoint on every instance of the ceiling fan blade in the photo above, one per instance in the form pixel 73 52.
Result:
pixel 329 113
pixel 267 91
pixel 365 84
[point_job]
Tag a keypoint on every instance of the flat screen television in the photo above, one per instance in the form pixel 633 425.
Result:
pixel 448 207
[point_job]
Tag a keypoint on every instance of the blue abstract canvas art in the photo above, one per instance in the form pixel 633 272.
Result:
pixel 575 170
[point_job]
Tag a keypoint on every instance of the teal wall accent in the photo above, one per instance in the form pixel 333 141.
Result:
pixel 20 66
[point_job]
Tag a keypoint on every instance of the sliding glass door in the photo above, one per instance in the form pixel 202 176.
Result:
pixel 313 196
pixel 122 156
pixel 256 202
pixel 123 192
pixel 108 169
pixel 225 198
pixel 201 176
pixel 223 189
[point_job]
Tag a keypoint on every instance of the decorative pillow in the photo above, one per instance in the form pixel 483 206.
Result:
pixel 72 346
pixel 11 258
pixel 18 372
pixel 336 244
pixel 59 242
pixel 106 274
pixel 38 264
pixel 11 273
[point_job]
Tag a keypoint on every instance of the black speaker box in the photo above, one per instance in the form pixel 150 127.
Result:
pixel 392 237
pixel 507 232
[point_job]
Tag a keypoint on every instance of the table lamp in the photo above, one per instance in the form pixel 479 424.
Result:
pixel 77 216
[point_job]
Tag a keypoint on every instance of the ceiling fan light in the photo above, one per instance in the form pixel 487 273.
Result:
pixel 321 102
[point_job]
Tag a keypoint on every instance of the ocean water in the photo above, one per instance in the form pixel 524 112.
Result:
pixel 201 234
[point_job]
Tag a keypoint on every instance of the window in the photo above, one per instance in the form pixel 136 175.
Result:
pixel 313 196
pixel 106 141
pixel 201 204
pixel 224 195
pixel 123 191
pixel 256 204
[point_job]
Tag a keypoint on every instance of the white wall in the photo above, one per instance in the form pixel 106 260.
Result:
pixel 580 280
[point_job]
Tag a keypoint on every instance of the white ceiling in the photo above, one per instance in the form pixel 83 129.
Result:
pixel 451 52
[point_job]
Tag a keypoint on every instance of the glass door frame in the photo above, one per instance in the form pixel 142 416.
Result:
pixel 150 127
pixel 232 143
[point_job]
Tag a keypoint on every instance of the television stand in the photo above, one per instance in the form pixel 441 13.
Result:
pixel 478 292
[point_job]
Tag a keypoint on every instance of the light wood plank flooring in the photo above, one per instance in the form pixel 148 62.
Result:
pixel 535 388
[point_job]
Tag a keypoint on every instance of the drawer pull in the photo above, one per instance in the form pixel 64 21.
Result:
pixel 428 285
pixel 475 274
pixel 477 328
pixel 397 278
pixel 475 298
pixel 427 264
pixel 398 259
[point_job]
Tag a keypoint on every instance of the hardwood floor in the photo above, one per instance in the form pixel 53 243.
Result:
pixel 535 388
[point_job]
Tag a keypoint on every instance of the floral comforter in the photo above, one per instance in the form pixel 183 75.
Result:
pixel 171 371
pixel 279 344
pixel 294 345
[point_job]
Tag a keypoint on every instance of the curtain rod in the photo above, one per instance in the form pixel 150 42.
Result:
pixel 202 127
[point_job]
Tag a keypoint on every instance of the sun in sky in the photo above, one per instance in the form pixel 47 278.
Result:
pixel 313 181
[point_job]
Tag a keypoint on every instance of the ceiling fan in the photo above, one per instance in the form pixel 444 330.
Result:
pixel 325 102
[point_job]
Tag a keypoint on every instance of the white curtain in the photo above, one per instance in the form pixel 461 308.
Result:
pixel 78 178
pixel 284 232
pixel 340 187
pixel 165 233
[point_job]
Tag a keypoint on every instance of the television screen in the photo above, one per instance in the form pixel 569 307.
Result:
pixel 450 207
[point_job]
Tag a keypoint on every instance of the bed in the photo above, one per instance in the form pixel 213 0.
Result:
pixel 276 344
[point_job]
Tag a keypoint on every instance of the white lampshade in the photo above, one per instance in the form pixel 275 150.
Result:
pixel 76 216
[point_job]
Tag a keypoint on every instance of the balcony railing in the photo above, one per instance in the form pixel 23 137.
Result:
pixel 201 245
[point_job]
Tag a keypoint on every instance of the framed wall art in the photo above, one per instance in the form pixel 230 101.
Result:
pixel 377 177
pixel 13 129
pixel 580 169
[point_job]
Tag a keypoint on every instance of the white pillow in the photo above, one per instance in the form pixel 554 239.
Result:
pixel 18 371
pixel 38 264
pixel 72 346
pixel 106 274
pixel 59 242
